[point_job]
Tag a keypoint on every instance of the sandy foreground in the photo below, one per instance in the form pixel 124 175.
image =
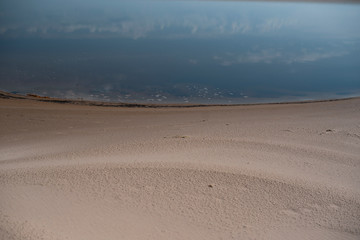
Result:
pixel 288 171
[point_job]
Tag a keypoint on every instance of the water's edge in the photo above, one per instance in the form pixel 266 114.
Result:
pixel 34 97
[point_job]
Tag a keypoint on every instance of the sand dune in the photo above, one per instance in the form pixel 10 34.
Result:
pixel 244 172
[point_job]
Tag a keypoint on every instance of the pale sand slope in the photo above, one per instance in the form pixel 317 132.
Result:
pixel 247 172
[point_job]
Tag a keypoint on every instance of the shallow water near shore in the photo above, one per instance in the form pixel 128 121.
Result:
pixel 180 52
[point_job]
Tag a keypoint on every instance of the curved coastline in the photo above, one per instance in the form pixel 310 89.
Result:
pixel 34 97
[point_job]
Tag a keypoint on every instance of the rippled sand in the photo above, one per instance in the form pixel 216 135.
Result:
pixel 288 171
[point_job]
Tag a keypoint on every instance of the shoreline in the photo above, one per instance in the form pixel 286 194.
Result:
pixel 34 97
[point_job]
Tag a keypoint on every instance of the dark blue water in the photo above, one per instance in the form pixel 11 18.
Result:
pixel 180 51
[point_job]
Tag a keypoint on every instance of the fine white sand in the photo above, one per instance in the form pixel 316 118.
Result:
pixel 285 171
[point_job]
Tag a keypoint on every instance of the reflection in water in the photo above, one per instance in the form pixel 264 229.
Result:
pixel 149 51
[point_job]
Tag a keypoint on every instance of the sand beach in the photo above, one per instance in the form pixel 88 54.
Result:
pixel 272 171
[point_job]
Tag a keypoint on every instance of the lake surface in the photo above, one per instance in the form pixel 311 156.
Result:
pixel 180 51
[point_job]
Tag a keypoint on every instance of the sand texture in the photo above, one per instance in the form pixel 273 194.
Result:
pixel 281 171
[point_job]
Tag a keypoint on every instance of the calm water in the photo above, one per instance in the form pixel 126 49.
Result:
pixel 180 51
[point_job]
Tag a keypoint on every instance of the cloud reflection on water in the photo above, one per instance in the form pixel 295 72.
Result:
pixel 179 49
pixel 140 19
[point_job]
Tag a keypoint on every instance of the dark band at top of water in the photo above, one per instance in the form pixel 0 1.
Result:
pixel 183 51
